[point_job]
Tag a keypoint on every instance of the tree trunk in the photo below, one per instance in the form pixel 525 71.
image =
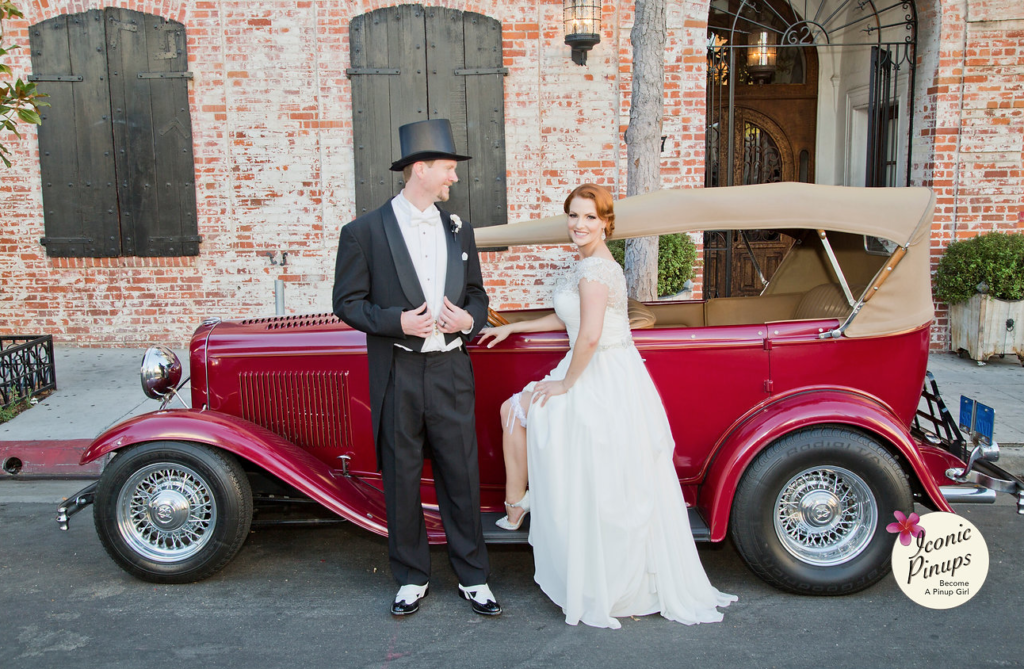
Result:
pixel 643 137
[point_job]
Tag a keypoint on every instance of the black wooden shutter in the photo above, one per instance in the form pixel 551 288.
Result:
pixel 485 117
pixel 446 95
pixel 411 63
pixel 152 133
pixel 75 146
pixel 388 64
pixel 116 143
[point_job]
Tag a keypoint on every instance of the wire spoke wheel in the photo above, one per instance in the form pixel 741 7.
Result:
pixel 825 516
pixel 808 513
pixel 173 512
pixel 165 512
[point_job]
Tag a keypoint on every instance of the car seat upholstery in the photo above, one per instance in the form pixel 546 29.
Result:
pixel 826 301
pixel 640 316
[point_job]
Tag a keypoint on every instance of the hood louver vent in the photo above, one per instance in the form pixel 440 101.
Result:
pixel 288 322
pixel 309 409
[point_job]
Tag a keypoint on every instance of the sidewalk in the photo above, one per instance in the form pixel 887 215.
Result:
pixel 98 388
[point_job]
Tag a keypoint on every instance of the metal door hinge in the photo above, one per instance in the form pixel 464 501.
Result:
pixel 54 77
pixel 353 71
pixel 65 240
pixel 165 75
pixel 464 71
pixel 769 386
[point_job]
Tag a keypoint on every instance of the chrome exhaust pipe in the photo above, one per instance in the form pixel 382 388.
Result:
pixel 968 494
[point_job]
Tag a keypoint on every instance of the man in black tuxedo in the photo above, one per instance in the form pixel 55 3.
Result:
pixel 408 275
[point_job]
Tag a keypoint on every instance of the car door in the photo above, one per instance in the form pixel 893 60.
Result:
pixel 708 378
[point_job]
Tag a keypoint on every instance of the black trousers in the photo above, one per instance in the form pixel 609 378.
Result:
pixel 430 401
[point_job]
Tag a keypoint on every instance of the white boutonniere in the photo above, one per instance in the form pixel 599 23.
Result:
pixel 456 224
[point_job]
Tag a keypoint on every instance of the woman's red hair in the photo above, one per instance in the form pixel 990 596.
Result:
pixel 603 203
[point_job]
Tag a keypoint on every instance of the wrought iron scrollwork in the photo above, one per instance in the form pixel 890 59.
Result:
pixel 823 23
pixel 26 367
pixel 762 162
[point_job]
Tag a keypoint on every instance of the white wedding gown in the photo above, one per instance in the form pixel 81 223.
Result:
pixel 609 526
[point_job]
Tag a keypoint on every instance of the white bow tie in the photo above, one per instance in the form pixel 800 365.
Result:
pixel 432 217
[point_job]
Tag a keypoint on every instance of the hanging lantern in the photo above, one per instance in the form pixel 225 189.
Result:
pixel 582 20
pixel 761 56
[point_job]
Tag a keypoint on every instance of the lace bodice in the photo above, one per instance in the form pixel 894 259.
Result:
pixel 566 298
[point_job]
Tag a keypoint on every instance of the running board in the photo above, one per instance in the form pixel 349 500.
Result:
pixel 495 535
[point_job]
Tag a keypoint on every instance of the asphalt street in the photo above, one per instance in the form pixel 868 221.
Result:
pixel 319 597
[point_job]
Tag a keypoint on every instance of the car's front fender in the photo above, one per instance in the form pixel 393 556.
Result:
pixel 360 504
pixel 795 411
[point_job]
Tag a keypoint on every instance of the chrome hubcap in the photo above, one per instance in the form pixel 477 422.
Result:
pixel 168 509
pixel 825 516
pixel 166 512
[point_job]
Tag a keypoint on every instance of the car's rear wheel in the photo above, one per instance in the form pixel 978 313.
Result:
pixel 809 515
pixel 173 512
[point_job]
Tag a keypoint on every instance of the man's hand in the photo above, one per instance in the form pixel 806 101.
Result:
pixel 418 322
pixel 453 319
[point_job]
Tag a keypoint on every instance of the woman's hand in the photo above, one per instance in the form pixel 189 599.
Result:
pixel 545 390
pixel 497 334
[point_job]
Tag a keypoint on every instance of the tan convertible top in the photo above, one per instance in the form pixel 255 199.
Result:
pixel 902 215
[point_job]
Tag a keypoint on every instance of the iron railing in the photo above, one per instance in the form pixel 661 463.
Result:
pixel 26 367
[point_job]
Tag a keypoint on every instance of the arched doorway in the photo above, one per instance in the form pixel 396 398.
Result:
pixel 820 91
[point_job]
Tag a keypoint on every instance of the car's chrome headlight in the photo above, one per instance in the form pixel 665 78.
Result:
pixel 161 372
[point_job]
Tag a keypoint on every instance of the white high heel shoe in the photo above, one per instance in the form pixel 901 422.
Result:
pixel 523 504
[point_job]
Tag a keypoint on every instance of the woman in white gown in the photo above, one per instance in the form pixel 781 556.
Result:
pixel 609 530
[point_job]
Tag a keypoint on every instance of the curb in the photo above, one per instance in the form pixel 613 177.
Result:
pixel 53 458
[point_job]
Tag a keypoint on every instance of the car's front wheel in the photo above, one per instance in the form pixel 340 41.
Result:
pixel 173 512
pixel 810 513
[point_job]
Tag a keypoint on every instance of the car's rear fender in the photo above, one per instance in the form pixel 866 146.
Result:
pixel 253 443
pixel 795 411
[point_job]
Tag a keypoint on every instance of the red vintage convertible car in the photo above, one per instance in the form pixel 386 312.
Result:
pixel 795 412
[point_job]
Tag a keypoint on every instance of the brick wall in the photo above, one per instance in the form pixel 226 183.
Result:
pixel 973 66
pixel 271 117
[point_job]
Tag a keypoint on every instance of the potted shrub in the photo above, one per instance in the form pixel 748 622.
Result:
pixel 982 280
pixel 677 255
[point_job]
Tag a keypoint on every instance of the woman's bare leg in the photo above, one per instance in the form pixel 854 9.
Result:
pixel 513 445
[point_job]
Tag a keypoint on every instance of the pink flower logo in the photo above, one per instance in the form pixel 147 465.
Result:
pixel 906 527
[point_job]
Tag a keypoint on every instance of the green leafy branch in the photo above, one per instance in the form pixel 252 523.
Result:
pixel 992 263
pixel 19 101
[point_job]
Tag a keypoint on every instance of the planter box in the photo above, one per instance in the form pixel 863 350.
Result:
pixel 26 367
pixel 984 326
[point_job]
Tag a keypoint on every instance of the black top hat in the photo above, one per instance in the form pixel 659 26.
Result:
pixel 426 140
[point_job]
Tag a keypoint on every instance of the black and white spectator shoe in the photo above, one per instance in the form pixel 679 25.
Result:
pixel 407 601
pixel 481 599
